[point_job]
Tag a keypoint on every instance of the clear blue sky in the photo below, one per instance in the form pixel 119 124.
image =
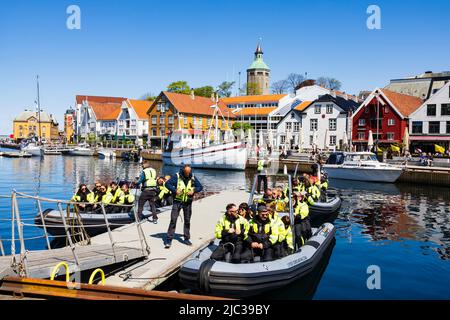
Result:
pixel 129 48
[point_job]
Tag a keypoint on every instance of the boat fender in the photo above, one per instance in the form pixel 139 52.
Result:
pixel 203 275
pixel 312 243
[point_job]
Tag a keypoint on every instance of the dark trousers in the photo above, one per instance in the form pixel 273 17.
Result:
pixel 187 212
pixel 265 254
pixel 282 250
pixel 262 179
pixel 113 208
pixel 323 195
pixel 150 196
pixel 235 249
pixel 302 231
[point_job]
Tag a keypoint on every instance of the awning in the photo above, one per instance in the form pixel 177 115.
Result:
pixel 429 138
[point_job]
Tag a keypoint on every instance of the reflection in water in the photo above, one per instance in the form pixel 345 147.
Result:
pixel 403 228
pixel 305 288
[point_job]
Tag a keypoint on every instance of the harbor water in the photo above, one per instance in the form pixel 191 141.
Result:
pixel 400 230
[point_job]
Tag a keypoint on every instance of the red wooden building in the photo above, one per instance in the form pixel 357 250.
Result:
pixel 393 112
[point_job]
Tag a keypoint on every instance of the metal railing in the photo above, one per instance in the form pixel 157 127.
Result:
pixel 71 221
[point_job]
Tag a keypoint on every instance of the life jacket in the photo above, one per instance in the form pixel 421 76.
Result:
pixel 150 178
pixel 324 185
pixel 302 209
pixel 260 167
pixel 163 191
pixel 128 198
pixel 185 189
pixel 107 198
pixel 277 224
pixel 117 197
pixel 224 224
pixel 258 228
pixel 286 235
pixel 314 192
pixel 81 197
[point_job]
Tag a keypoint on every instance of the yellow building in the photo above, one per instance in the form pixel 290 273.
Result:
pixel 69 117
pixel 171 111
pixel 26 125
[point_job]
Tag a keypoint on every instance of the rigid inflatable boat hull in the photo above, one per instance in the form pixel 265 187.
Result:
pixel 202 274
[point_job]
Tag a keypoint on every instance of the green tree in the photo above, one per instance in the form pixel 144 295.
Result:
pixel 225 89
pixel 179 87
pixel 241 125
pixel 149 96
pixel 205 91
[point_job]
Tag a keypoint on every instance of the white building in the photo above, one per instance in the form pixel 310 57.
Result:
pixel 323 123
pixel 430 123
pixel 133 119
pixel 96 116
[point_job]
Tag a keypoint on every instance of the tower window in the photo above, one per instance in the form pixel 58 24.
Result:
pixel 260 73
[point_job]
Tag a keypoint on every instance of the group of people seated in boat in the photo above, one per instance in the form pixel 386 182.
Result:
pixel 266 232
pixel 115 197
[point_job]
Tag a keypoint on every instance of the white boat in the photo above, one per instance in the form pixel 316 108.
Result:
pixel 106 153
pixel 211 149
pixel 33 149
pixel 81 150
pixel 189 147
pixel 52 152
pixel 362 166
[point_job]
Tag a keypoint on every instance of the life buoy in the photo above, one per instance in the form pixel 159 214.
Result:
pixel 189 145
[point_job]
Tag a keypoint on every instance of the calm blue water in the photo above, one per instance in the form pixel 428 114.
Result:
pixel 402 229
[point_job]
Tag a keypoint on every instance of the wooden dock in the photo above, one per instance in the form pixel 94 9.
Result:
pixel 162 262
pixel 41 263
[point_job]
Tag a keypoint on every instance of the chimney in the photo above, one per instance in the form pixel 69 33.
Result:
pixel 333 93
pixel 192 94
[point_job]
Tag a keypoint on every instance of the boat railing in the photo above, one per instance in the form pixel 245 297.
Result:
pixel 74 229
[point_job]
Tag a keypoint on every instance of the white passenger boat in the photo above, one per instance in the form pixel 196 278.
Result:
pixel 212 149
pixel 33 149
pixel 362 166
pixel 81 150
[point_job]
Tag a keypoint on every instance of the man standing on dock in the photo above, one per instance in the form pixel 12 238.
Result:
pixel 262 178
pixel 183 186
pixel 149 191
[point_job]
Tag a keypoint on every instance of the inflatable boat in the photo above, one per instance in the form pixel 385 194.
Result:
pixel 92 222
pixel 202 274
pixel 320 209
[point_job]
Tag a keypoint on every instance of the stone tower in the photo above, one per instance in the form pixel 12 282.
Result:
pixel 258 75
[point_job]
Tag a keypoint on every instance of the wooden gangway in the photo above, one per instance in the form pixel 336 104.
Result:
pixel 77 256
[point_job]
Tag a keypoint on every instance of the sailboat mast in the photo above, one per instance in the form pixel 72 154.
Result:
pixel 39 110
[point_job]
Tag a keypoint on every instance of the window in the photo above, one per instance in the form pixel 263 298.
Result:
pixel 329 108
pixel 313 124
pixel 434 127
pixel 153 119
pixel 296 127
pixel 445 109
pixel 292 115
pixel 361 135
pixel 391 122
pixel 361 122
pixel 448 127
pixel 283 139
pixel 332 124
pixel 170 119
pixel 386 109
pixel 366 110
pixel 332 140
pixel 431 110
pixel 162 132
pixel 417 127
pixel 317 109
pixel 185 121
pixel 289 126
pixel 390 136
pixel 194 121
pixel 162 119
pixel 311 140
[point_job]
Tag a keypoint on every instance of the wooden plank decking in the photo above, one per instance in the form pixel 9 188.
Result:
pixel 41 263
